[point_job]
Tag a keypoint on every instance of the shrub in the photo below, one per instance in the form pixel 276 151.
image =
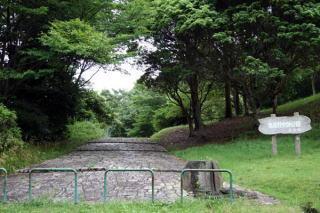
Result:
pixel 85 130
pixel 10 135
pixel 167 116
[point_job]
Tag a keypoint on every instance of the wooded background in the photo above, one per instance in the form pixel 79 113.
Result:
pixel 212 60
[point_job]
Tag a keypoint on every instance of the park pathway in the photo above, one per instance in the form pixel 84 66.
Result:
pixel 90 159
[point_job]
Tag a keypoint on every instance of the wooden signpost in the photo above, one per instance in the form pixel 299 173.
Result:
pixel 293 125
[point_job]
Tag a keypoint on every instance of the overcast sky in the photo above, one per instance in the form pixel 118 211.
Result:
pixel 112 78
pixel 125 79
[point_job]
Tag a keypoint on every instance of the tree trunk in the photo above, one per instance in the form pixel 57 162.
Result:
pixel 236 102
pixel 313 84
pixel 252 104
pixel 227 93
pixel 245 105
pixel 186 113
pixel 196 114
pixel 195 102
pixel 190 125
pixel 274 104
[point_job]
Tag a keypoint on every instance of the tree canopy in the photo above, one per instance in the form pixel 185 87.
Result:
pixel 245 55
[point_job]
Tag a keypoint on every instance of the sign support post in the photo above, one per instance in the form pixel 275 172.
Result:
pixel 297 141
pixel 274 141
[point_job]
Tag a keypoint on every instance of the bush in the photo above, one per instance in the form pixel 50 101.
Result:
pixel 10 135
pixel 85 130
pixel 92 106
pixel 117 129
pixel 167 116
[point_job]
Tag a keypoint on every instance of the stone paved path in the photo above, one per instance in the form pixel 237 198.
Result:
pixel 106 153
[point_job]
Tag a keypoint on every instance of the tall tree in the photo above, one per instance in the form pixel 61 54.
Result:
pixel 44 48
pixel 176 30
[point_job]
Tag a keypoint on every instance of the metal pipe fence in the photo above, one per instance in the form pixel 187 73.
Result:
pixel 4 185
pixel 46 170
pixel 105 182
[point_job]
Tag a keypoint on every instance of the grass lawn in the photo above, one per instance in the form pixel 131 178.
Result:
pixel 188 206
pixel 309 106
pixel 294 180
pixel 157 136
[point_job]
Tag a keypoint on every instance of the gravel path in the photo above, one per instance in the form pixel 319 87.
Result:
pixel 107 153
pixel 94 157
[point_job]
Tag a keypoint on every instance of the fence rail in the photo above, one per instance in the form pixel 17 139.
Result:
pixel 105 183
pixel 46 170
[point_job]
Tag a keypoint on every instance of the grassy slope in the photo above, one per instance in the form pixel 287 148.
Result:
pixel 292 179
pixel 162 133
pixel 309 106
pixel 289 178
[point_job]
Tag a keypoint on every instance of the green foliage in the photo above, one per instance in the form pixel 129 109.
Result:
pixel 255 67
pixel 10 136
pixel 94 107
pixel 166 116
pixel 257 46
pixel 21 156
pixel 85 130
pixel 178 66
pixel 75 38
pixel 213 108
pixel 6 74
pixel 46 46
pixel 120 103
pixel 128 22
pixel 144 103
pixel 141 112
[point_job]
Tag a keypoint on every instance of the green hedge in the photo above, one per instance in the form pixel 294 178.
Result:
pixel 85 130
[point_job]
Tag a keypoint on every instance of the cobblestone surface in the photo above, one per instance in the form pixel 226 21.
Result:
pixel 107 153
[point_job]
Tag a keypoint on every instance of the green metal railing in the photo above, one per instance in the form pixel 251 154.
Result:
pixel 4 190
pixel 207 170
pixel 105 188
pixel 46 170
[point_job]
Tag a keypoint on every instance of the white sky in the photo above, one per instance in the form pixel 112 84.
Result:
pixel 113 78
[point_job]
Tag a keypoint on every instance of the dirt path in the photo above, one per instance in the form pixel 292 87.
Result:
pixel 106 153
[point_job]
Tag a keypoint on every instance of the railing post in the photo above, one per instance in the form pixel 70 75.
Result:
pixel 76 198
pixel 46 170
pixel 4 190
